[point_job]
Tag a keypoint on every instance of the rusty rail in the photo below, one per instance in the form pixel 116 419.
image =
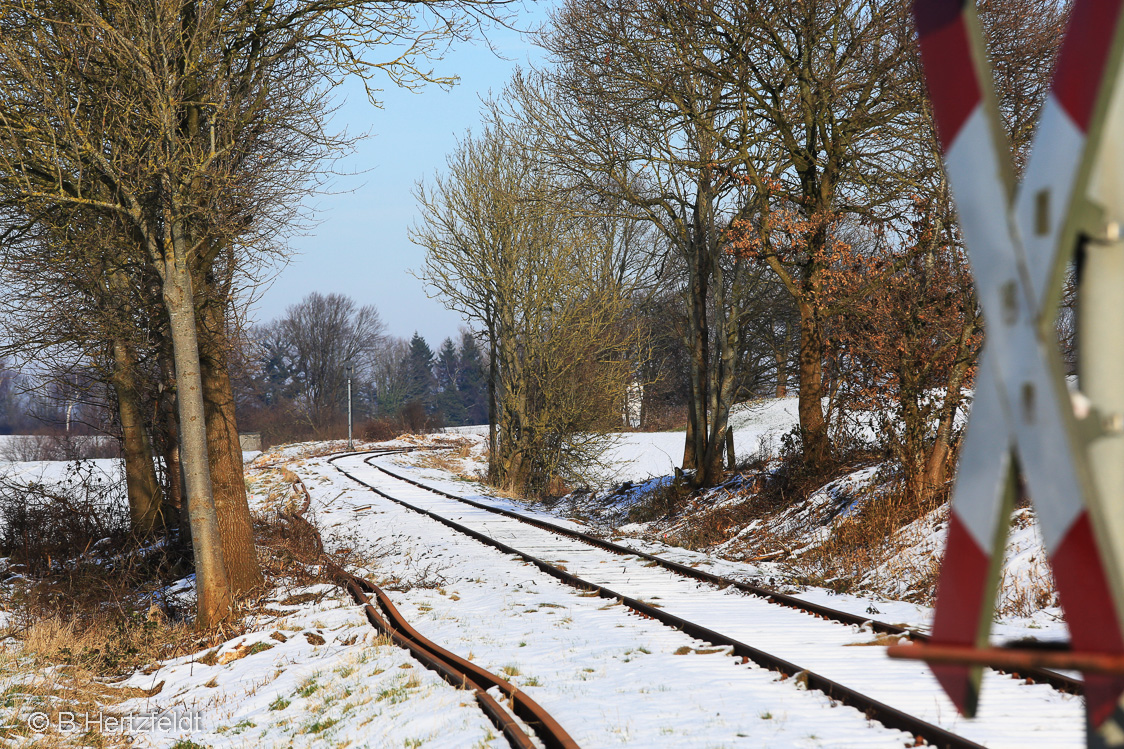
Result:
pixel 1012 659
pixel 455 670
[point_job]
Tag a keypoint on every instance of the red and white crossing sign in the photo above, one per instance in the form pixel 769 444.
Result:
pixel 1022 421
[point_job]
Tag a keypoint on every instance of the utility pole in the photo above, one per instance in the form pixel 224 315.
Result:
pixel 350 369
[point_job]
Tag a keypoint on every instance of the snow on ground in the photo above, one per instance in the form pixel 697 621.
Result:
pixel 646 460
pixel 1002 727
pixel 315 673
pixel 610 678
pixel 59 470
pixel 758 427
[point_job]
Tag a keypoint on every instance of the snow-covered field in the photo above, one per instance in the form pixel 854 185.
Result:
pixel 758 427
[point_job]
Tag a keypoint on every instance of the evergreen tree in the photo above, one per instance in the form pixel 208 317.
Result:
pixel 446 371
pixel 421 384
pixel 472 382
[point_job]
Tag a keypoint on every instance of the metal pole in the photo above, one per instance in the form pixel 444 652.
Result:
pixel 349 443
pixel 1100 346
pixel 1100 355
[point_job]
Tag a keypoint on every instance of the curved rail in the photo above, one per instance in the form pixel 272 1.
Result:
pixel 1058 681
pixel 888 716
pixel 452 668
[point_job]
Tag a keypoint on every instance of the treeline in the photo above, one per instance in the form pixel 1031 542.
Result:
pixel 728 198
pixel 292 376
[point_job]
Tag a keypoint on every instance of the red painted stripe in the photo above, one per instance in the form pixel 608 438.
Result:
pixel 1089 612
pixel 947 60
pixel 960 600
pixel 931 15
pixel 1081 61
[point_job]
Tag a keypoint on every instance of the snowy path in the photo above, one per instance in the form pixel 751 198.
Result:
pixel 1013 714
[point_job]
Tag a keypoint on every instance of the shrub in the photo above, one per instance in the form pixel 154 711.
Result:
pixel 381 430
pixel 663 501
pixel 43 522
pixel 410 419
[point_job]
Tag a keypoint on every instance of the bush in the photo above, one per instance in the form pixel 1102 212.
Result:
pixel 416 421
pixel 664 418
pixel 88 596
pixel 663 501
pixel 410 419
pixel 42 523
pixel 380 430
pixel 861 543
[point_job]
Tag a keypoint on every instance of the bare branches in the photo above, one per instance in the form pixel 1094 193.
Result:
pixel 545 283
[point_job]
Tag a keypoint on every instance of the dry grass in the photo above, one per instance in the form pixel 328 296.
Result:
pixel 1025 597
pixel 55 663
pixel 756 497
pixel 664 501
pixel 765 515
pixel 451 459
pixel 76 630
pixel 862 543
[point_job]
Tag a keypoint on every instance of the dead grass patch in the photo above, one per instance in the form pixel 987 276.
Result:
pixel 869 538
pixel 759 497
pixel 1028 593
pixel 450 459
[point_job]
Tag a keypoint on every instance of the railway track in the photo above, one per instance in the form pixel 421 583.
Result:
pixel 542 553
pixel 1058 681
pixel 456 671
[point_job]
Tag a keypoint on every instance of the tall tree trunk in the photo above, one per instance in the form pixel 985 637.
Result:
pixel 780 353
pixel 694 450
pixel 175 479
pixel 514 421
pixel 224 452
pixel 722 368
pixel 168 440
pixel 212 587
pixel 813 427
pixel 493 411
pixel 689 463
pixel 936 465
pixel 141 484
pixel 914 426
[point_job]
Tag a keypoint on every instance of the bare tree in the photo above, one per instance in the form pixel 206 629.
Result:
pixel 543 282
pixel 626 114
pixel 157 114
pixel 830 82
pixel 390 379
pixel 321 335
pixel 75 301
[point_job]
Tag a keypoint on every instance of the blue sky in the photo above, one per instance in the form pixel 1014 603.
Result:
pixel 361 246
